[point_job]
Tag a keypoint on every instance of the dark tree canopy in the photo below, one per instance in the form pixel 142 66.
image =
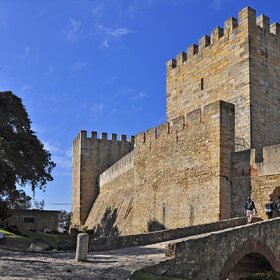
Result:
pixel 23 159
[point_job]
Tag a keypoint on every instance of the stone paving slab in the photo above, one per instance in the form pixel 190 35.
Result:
pixel 115 264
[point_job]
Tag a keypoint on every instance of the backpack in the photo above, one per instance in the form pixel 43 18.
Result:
pixel 269 207
pixel 250 205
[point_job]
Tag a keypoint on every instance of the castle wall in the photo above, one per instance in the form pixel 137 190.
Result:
pixel 264 188
pixel 117 169
pixel 76 180
pixel 179 178
pixel 111 210
pixel 265 178
pixel 261 180
pixel 185 172
pixel 240 180
pixel 218 68
pixel 265 83
pixel 91 157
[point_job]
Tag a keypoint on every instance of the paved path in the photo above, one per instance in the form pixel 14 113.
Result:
pixel 114 264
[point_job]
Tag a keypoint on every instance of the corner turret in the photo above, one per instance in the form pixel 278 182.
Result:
pixel 91 157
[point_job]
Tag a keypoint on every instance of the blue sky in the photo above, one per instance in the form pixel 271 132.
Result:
pixel 99 65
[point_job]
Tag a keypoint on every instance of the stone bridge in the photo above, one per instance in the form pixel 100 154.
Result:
pixel 223 250
pixel 226 254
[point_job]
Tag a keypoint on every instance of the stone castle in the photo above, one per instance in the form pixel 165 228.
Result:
pixel 220 143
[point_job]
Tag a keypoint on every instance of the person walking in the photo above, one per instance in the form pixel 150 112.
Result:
pixel 250 209
pixel 269 209
pixel 277 207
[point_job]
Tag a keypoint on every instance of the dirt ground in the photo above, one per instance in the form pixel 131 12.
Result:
pixel 115 264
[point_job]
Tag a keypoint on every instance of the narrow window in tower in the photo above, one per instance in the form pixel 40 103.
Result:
pixel 201 84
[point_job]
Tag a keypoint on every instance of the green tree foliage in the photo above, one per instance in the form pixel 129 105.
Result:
pixel 18 199
pixel 23 159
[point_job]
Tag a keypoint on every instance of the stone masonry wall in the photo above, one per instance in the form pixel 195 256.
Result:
pixel 239 64
pixel 265 178
pixel 37 220
pixel 218 68
pixel 214 255
pixel 264 83
pixel 76 181
pixel 116 242
pixel 179 175
pixel 118 168
pixel 91 157
pixel 261 180
pixel 185 172
pixel 240 180
pixel 111 210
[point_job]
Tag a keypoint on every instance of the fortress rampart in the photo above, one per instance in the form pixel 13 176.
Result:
pixel 117 169
pixel 170 161
pixel 170 129
pixel 201 164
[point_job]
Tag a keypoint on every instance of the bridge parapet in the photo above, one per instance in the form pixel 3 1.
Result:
pixel 115 242
pixel 216 255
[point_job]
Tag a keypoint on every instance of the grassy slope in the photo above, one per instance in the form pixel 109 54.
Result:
pixel 53 239
pixel 8 234
pixel 26 237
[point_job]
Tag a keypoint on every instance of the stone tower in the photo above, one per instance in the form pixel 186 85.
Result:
pixel 240 64
pixel 91 157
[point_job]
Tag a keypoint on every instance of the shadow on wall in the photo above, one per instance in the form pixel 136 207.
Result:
pixel 155 225
pixel 276 194
pixel 250 265
pixel 106 226
pixel 241 176
pixel 191 211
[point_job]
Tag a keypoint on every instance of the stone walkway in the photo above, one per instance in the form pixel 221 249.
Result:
pixel 115 264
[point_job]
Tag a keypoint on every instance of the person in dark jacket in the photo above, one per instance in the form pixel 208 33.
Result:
pixel 269 209
pixel 250 209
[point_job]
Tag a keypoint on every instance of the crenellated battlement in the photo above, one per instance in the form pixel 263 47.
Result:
pixel 167 128
pixel 234 63
pixel 204 114
pixel 246 17
pixel 103 137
